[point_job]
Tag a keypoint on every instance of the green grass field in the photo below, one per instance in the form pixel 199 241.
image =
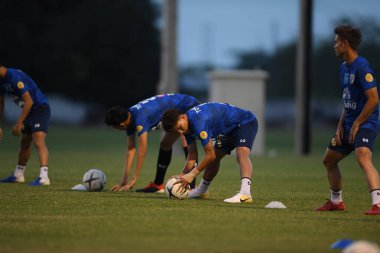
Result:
pixel 55 219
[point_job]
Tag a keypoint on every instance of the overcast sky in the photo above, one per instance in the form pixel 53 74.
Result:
pixel 211 30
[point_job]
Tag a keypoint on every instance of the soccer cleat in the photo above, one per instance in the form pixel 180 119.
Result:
pixel 239 198
pixel 375 210
pixel 194 194
pixel 152 188
pixel 13 179
pixel 330 206
pixel 40 181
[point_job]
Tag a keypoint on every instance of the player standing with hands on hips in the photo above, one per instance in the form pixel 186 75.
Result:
pixel 358 124
pixel 32 124
pixel 231 127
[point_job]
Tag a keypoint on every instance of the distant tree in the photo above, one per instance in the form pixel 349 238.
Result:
pixel 103 51
pixel 325 83
pixel 280 65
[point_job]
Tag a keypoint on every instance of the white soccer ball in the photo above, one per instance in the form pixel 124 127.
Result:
pixel 171 189
pixel 94 180
pixel 362 246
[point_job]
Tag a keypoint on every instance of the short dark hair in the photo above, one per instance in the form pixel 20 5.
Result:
pixel 170 118
pixel 352 34
pixel 116 115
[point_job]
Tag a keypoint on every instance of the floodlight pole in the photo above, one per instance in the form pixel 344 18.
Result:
pixel 168 67
pixel 303 80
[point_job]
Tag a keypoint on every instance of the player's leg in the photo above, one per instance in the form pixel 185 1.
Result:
pixel 43 156
pixel 331 160
pixel 364 158
pixel 244 137
pixel 208 176
pixel 39 124
pixel 24 154
pixel 163 162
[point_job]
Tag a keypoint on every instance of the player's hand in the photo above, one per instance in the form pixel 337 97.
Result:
pixel 184 184
pixel 116 187
pixel 16 130
pixel 130 185
pixel 339 136
pixel 353 131
pixel 1 133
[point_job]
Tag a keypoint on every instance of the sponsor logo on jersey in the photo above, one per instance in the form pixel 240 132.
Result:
pixel 369 77
pixel 20 85
pixel 203 135
pixel 352 78
pixel 139 128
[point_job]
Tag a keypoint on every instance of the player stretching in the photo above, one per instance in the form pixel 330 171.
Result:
pixel 358 125
pixel 142 118
pixel 230 127
pixel 32 124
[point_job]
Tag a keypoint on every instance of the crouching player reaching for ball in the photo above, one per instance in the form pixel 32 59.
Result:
pixel 142 118
pixel 231 127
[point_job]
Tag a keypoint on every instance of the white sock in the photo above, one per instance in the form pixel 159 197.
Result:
pixel 245 186
pixel 203 186
pixel 336 197
pixel 44 172
pixel 19 171
pixel 375 195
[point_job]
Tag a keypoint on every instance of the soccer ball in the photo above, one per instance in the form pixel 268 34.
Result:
pixel 171 189
pixel 94 180
pixel 362 246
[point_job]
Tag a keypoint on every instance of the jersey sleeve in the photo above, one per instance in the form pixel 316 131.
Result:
pixel 366 77
pixel 141 125
pixel 201 130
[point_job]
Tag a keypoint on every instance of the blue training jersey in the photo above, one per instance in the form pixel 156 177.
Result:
pixel 16 83
pixel 208 120
pixel 355 79
pixel 147 114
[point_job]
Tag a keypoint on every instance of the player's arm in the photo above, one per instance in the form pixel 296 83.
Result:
pixel 129 156
pixel 1 115
pixel 28 103
pixel 206 161
pixel 143 149
pixel 369 107
pixel 192 157
pixel 340 129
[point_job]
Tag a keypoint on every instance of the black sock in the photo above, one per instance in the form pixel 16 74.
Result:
pixel 163 161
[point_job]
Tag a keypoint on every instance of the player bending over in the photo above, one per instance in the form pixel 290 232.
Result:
pixel 142 118
pixel 230 127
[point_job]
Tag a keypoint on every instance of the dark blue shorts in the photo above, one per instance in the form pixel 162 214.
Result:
pixel 240 136
pixel 37 120
pixel 364 138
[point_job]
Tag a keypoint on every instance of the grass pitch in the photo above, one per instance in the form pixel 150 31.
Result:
pixel 56 219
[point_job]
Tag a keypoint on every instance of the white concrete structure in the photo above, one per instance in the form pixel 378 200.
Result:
pixel 245 89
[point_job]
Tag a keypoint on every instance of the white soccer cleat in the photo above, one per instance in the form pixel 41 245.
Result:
pixel 239 198
pixel 195 194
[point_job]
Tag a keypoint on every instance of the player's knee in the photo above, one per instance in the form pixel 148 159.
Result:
pixel 329 163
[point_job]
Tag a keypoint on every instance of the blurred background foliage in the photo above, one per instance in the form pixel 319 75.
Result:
pixel 108 52
pixel 104 52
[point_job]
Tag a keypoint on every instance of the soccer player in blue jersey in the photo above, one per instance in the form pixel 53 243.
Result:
pixel 229 127
pixel 358 124
pixel 142 118
pixel 32 123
